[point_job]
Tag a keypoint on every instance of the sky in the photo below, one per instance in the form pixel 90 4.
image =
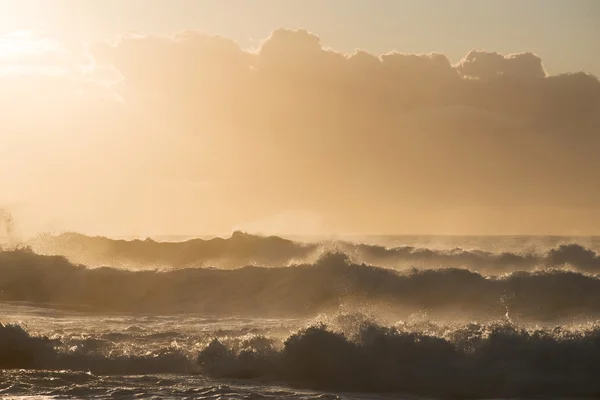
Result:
pixel 564 33
pixel 300 117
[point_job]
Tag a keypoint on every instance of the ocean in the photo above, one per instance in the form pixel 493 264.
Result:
pixel 253 317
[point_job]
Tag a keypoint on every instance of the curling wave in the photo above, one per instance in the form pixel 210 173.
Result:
pixel 332 282
pixel 471 361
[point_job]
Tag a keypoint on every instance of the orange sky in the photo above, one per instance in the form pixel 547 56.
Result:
pixel 187 133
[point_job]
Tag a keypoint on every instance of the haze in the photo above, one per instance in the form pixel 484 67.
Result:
pixel 300 117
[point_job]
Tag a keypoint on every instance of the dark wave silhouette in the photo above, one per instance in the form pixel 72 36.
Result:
pixel 473 361
pixel 20 350
pixel 332 282
pixel 354 354
pixel 243 249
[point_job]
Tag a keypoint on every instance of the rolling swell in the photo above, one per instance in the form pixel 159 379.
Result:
pixel 333 281
pixel 239 250
pixel 243 249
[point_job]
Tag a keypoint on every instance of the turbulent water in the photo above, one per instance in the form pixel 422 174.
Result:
pixel 251 317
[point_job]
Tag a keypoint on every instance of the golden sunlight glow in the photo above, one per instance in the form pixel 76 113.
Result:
pixel 179 130
pixel 300 199
pixel 21 43
pixel 28 51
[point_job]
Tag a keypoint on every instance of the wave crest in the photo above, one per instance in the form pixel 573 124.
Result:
pixel 469 361
pixel 334 281
pixel 351 352
pixel 243 249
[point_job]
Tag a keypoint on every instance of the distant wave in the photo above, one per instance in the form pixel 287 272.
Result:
pixel 332 282
pixel 352 353
pixel 239 250
pixel 244 249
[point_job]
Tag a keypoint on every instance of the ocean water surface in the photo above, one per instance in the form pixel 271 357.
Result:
pixel 252 317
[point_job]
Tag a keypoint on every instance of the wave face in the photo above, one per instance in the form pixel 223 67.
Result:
pixel 346 353
pixel 465 361
pixel 244 249
pixel 333 282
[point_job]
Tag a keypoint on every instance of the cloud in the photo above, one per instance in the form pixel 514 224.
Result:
pixel 489 65
pixel 291 65
pixel 352 137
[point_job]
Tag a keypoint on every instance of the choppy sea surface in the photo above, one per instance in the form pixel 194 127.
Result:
pixel 251 317
pixel 138 356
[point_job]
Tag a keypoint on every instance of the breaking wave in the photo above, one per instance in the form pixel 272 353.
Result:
pixel 353 353
pixel 473 360
pixel 20 350
pixel 332 282
pixel 243 249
